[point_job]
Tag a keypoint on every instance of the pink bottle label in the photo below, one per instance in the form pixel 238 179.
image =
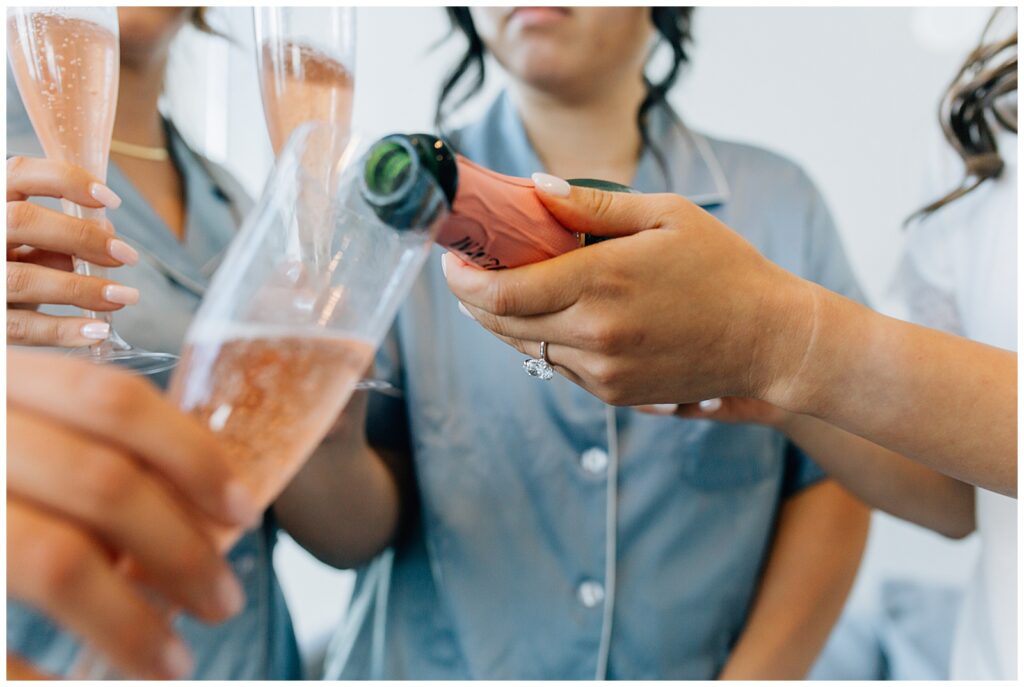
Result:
pixel 497 221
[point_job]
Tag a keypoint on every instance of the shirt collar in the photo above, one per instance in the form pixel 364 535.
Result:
pixel 499 141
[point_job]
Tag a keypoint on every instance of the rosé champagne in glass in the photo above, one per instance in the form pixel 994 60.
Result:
pixel 300 83
pixel 306 60
pixel 65 63
pixel 66 69
pixel 306 57
pixel 271 393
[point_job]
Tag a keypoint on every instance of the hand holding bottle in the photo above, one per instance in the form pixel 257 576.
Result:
pixel 676 310
pixel 102 469
pixel 40 246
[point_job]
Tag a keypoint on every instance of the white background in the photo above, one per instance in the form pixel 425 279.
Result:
pixel 851 94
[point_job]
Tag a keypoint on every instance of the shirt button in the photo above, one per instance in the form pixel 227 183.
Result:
pixel 245 564
pixel 594 460
pixel 590 593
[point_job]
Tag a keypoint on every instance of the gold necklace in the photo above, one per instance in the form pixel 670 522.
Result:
pixel 150 153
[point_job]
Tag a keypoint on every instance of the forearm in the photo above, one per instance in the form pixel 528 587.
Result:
pixel 942 400
pixel 816 552
pixel 884 479
pixel 344 506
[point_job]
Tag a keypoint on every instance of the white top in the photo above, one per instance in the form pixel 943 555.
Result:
pixel 959 273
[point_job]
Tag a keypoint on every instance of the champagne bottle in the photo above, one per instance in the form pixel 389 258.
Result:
pixel 495 221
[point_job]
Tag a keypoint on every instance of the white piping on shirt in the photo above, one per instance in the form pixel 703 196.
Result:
pixel 611 544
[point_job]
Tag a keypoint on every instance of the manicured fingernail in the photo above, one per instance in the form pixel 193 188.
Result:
pixel 122 252
pixel 176 660
pixel 230 597
pixel 95 330
pixel 444 265
pixel 465 311
pixel 240 503
pixel 664 408
pixel 710 405
pixel 104 195
pixel 123 295
pixel 551 185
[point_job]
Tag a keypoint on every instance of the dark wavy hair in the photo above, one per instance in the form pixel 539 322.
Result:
pixel 974 105
pixel 673 25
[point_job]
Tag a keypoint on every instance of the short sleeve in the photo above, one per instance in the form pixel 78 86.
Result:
pixel 388 430
pixel 387 419
pixel 799 471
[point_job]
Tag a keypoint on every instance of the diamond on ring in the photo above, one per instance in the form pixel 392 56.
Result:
pixel 540 367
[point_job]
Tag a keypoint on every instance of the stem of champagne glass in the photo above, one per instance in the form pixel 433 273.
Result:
pixel 113 342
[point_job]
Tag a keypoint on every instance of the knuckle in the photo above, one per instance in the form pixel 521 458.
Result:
pixel 63 331
pixel 17 327
pixel 78 289
pixel 606 374
pixel 666 206
pixel 195 558
pixel 61 560
pixel 603 335
pixel 52 330
pixel 15 166
pixel 616 396
pixel 502 298
pixel 113 395
pixel 603 202
pixel 83 235
pixel 141 637
pixel 19 279
pixel 19 214
pixel 73 177
pixel 107 481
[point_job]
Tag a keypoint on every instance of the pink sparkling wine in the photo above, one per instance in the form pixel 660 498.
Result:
pixel 270 396
pixel 67 71
pixel 301 84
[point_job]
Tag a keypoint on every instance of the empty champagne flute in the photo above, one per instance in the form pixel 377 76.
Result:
pixel 66 62
pixel 279 342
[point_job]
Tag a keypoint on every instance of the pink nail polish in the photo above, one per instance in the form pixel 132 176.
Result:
pixel 551 185
pixel 123 295
pixel 104 195
pixel 122 252
pixel 95 330
pixel 444 265
pixel 710 405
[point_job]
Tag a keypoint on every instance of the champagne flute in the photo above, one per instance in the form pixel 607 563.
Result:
pixel 305 57
pixel 66 61
pixel 306 61
pixel 278 343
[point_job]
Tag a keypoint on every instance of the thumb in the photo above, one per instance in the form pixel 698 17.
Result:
pixel 604 213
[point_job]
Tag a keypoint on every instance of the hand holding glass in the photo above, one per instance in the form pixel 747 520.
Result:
pixel 66 62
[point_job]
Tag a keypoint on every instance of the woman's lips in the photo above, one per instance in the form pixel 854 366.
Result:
pixel 537 16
